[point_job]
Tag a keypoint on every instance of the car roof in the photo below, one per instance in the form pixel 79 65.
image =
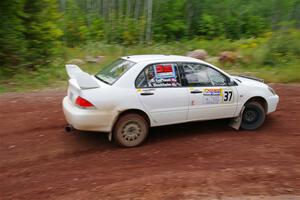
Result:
pixel 159 57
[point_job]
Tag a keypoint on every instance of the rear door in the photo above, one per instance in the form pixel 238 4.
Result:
pixel 210 96
pixel 159 89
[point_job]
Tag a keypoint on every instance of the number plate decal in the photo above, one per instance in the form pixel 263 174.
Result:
pixel 227 96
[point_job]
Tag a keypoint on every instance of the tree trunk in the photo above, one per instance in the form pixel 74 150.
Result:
pixel 190 15
pixel 137 9
pixel 104 9
pixel 142 21
pixel 100 7
pixel 128 10
pixel 149 21
pixel 120 8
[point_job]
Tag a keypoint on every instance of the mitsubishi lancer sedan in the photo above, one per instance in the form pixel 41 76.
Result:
pixel 137 92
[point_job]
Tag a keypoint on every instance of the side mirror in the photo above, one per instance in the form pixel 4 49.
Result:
pixel 231 82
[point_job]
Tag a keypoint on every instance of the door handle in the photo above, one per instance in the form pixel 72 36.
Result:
pixel 147 93
pixel 196 91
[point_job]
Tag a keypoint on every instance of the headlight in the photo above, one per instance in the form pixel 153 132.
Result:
pixel 271 90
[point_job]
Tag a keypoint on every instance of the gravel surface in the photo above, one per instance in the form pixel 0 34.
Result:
pixel 203 160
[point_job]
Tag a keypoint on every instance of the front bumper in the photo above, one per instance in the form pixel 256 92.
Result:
pixel 272 103
pixel 86 119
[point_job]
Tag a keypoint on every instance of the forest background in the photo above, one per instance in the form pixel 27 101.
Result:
pixel 38 37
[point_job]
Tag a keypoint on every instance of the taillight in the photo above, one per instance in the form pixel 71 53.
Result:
pixel 83 102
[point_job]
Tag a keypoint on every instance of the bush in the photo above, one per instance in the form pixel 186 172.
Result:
pixel 283 47
pixel 210 27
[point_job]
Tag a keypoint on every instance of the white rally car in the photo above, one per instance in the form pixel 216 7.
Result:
pixel 137 92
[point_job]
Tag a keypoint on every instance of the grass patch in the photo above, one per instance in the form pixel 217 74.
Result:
pixel 255 51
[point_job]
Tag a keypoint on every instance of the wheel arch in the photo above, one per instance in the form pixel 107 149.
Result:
pixel 124 112
pixel 132 110
pixel 262 101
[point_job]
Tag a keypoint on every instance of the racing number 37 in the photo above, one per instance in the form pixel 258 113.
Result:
pixel 227 95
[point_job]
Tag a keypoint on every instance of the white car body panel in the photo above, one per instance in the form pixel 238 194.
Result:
pixel 166 106
pixel 251 88
pixel 200 110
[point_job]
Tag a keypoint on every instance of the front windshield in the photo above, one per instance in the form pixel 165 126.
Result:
pixel 114 71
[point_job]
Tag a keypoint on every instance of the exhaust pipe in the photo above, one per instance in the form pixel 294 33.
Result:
pixel 69 128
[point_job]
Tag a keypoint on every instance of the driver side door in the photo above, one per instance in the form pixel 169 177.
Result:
pixel 210 95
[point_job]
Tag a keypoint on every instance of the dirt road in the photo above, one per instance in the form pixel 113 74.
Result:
pixel 205 160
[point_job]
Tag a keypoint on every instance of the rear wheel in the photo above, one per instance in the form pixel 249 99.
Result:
pixel 130 130
pixel 253 116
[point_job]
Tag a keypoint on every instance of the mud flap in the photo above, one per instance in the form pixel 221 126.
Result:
pixel 236 122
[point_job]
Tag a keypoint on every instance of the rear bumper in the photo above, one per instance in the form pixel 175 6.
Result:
pixel 272 103
pixel 86 119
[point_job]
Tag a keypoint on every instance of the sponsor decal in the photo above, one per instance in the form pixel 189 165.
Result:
pixel 164 76
pixel 217 96
pixel 212 96
pixel 164 71
pixel 212 92
pixel 163 82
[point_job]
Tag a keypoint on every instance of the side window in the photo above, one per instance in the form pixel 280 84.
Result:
pixel 216 77
pixel 159 75
pixel 141 80
pixel 195 75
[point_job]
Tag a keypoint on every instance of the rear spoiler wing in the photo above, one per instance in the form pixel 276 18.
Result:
pixel 84 80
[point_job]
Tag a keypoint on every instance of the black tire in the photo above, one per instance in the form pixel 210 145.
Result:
pixel 253 116
pixel 130 130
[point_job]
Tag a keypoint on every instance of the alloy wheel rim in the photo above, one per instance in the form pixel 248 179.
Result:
pixel 131 131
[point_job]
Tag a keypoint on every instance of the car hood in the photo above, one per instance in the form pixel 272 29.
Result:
pixel 250 81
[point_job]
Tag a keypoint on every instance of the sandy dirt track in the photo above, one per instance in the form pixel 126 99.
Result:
pixel 203 160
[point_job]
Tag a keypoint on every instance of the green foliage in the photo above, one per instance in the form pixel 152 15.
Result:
pixel 210 27
pixel 12 43
pixel 233 27
pixel 96 32
pixel 29 32
pixel 37 33
pixel 42 32
pixel 253 26
pixel 55 75
pixel 169 21
pixel 133 31
pixel 283 47
pixel 74 25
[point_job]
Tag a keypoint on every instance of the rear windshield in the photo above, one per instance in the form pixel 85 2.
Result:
pixel 114 71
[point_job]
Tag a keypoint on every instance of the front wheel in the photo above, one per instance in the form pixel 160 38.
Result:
pixel 253 116
pixel 130 130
